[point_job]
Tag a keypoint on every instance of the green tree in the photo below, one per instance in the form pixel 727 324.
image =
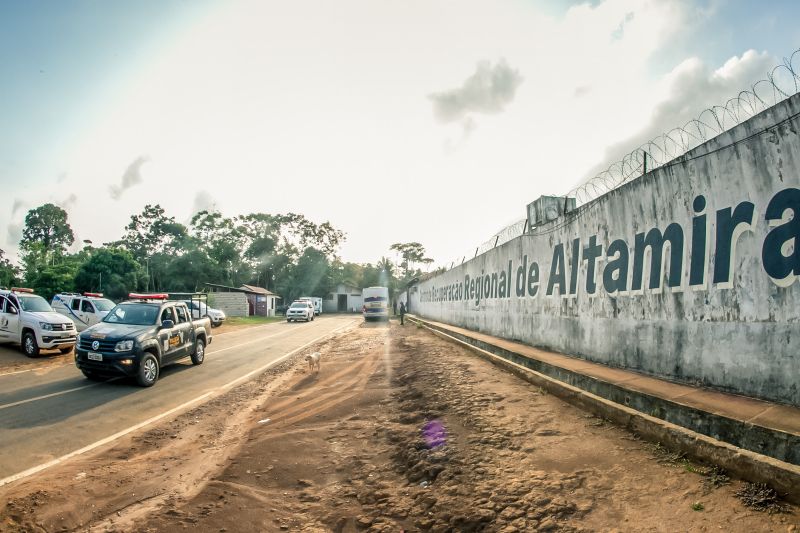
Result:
pixel 412 254
pixel 49 279
pixel 152 232
pixel 8 272
pixel 311 276
pixel 47 225
pixel 223 241
pixel 110 270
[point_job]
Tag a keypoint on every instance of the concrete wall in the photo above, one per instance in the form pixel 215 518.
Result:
pixel 721 308
pixel 231 303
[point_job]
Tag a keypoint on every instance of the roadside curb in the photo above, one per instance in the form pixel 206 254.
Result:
pixel 782 476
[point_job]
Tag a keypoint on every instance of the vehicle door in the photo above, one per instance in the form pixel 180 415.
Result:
pixel 171 343
pixel 4 332
pixel 185 329
pixel 89 313
pixel 76 315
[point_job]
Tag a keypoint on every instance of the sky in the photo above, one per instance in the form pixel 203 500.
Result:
pixel 421 120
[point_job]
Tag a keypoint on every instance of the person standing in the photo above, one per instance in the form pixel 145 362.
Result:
pixel 402 312
pixel 394 307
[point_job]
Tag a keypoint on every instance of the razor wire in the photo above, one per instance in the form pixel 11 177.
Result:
pixel 782 82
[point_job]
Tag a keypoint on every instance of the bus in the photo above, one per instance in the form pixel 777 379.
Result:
pixel 376 303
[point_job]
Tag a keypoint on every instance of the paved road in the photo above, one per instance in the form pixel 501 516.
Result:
pixel 44 416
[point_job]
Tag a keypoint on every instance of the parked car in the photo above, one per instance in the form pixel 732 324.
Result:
pixel 300 310
pixel 316 302
pixel 200 309
pixel 84 310
pixel 28 320
pixel 138 337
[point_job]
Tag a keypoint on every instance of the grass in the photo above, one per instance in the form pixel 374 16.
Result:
pixel 697 506
pixel 761 497
pixel 252 320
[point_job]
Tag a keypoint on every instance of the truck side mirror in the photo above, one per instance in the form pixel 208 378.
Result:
pixel 12 310
pixel 167 324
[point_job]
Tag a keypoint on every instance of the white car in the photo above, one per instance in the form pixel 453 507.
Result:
pixel 200 309
pixel 316 302
pixel 84 310
pixel 27 319
pixel 300 310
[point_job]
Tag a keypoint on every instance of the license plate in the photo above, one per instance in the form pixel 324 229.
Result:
pixel 93 356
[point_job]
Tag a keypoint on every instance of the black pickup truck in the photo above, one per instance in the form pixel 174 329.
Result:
pixel 140 336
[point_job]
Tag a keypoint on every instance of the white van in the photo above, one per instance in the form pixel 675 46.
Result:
pixel 27 319
pixel 84 310
pixel 376 303
pixel 316 302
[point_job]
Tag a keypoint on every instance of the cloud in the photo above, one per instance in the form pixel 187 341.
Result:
pixel 69 202
pixel 203 201
pixel 692 87
pixel 18 204
pixel 489 90
pixel 131 177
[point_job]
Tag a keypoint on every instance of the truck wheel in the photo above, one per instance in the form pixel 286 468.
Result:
pixel 29 345
pixel 148 371
pixel 65 351
pixel 199 352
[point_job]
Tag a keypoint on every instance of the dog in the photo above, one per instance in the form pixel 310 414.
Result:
pixel 313 361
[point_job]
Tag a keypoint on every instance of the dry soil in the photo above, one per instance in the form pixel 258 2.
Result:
pixel 398 431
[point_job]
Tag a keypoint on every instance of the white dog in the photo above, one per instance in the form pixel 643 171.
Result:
pixel 313 361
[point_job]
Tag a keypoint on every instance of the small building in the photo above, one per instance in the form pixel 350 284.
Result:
pixel 246 300
pixel 346 298
pixel 261 301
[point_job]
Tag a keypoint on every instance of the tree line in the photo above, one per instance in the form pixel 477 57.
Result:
pixel 285 253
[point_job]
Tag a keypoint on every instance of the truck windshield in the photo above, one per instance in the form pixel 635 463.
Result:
pixel 133 314
pixel 103 305
pixel 34 304
pixel 299 305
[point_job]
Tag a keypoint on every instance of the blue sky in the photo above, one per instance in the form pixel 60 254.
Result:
pixel 319 107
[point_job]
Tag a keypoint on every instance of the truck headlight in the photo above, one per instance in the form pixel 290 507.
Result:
pixel 124 346
pixel 46 326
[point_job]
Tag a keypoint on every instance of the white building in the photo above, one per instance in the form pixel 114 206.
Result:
pixel 344 299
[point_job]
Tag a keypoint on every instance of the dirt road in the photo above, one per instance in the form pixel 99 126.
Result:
pixel 399 430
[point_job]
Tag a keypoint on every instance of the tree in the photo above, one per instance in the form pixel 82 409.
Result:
pixel 412 253
pixel 110 270
pixel 47 225
pixel 311 276
pixel 8 272
pixel 152 232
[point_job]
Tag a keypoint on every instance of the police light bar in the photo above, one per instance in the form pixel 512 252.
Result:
pixel 137 296
pixel 93 294
pixel 21 289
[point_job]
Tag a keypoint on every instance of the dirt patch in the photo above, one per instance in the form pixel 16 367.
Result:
pixel 399 430
pixel 13 360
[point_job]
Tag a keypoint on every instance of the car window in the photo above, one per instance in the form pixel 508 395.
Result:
pixel 138 314
pixel 166 314
pixel 76 304
pixel 2 304
pixel 103 305
pixel 35 304
pixel 87 307
pixel 182 315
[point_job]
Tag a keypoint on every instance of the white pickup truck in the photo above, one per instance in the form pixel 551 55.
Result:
pixel 28 320
pixel 84 310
